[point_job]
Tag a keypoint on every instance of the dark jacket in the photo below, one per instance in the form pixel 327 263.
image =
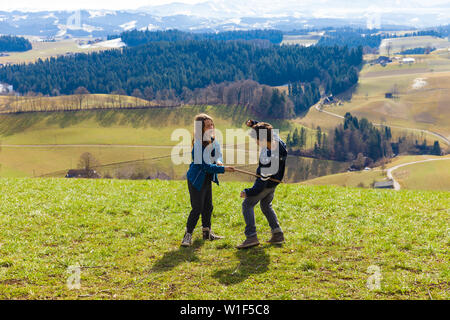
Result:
pixel 198 170
pixel 266 158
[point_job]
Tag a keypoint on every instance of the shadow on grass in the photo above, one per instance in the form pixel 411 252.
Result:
pixel 251 261
pixel 175 257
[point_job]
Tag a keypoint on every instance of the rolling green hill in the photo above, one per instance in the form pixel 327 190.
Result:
pixel 125 237
pixel 423 96
pixel 434 175
pixel 39 143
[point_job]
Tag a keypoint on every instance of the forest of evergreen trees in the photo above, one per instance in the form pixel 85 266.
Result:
pixel 14 44
pixel 177 66
pixel 432 33
pixel 346 141
pixel 305 95
pixel 356 138
pixel 420 50
pixel 134 38
pixel 351 38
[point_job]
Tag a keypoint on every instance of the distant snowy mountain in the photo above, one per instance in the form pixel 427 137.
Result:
pixel 417 13
pixel 216 15
pixel 102 23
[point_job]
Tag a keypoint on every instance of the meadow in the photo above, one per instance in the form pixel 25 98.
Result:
pixel 45 50
pixel 303 40
pixel 423 97
pixel 49 143
pixel 434 175
pixel 20 104
pixel 399 44
pixel 125 235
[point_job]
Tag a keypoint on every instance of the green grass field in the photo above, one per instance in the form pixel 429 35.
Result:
pixel 35 161
pixel 125 236
pixel 303 40
pixel 38 143
pixel 44 50
pixel 136 127
pixel 399 44
pixel 16 104
pixel 433 175
pixel 361 179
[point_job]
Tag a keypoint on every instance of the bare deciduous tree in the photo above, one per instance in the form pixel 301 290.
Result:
pixel 80 94
pixel 87 161
pixel 137 94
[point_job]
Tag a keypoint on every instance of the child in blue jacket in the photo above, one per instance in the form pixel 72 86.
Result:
pixel 206 164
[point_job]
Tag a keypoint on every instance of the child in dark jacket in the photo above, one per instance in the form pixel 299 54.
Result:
pixel 202 171
pixel 272 163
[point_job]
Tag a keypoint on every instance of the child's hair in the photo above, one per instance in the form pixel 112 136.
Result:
pixel 261 127
pixel 201 117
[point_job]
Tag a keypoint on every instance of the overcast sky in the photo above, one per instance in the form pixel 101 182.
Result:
pixel 82 4
pixel 134 4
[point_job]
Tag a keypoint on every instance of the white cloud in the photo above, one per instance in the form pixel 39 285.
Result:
pixel 51 5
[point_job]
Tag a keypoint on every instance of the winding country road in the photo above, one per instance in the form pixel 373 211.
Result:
pixel 437 135
pixel 390 170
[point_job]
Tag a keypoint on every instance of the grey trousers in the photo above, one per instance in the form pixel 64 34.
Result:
pixel 265 201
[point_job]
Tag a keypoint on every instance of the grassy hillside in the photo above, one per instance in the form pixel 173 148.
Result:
pixel 422 108
pixel 399 44
pixel 434 175
pixel 15 104
pixel 125 127
pixel 125 236
pixel 424 94
pixel 38 143
pixel 303 40
pixel 44 50
pixel 35 160
pixel 361 179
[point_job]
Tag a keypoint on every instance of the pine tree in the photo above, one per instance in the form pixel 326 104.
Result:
pixel 319 136
pixel 295 138
pixel 288 140
pixel 302 138
pixel 436 149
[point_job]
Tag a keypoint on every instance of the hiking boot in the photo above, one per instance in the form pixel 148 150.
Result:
pixel 187 240
pixel 277 238
pixel 208 235
pixel 249 242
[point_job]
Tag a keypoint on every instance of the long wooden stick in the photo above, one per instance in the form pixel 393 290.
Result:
pixel 256 175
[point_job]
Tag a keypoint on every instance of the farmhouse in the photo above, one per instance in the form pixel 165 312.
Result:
pixel 83 173
pixel 384 185
pixel 408 60
pixel 383 60
pixel 329 100
pixel 6 88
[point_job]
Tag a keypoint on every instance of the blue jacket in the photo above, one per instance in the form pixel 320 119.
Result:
pixel 197 171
